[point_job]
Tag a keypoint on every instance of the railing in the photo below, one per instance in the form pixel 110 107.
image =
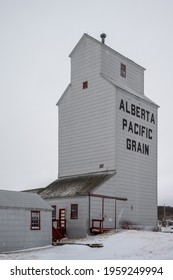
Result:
pixel 58 232
pixel 59 223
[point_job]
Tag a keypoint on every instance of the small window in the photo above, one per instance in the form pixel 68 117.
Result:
pixel 35 220
pixel 74 211
pixel 123 70
pixel 85 84
pixel 54 212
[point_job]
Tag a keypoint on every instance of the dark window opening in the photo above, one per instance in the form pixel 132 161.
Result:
pixel 35 220
pixel 85 84
pixel 123 70
pixel 54 212
pixel 74 211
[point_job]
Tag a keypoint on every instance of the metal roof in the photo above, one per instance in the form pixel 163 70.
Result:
pixel 75 185
pixel 103 46
pixel 22 200
pixel 132 92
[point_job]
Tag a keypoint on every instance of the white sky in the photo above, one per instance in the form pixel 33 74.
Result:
pixel 36 37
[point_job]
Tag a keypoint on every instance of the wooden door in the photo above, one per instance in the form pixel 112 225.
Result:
pixel 62 218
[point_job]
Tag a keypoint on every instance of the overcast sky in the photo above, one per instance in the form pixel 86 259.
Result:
pixel 36 37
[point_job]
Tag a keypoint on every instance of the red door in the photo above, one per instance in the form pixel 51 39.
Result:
pixel 62 218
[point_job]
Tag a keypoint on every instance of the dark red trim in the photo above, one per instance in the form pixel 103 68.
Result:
pixel 53 212
pixel 74 208
pixel 123 70
pixel 37 222
pixel 85 84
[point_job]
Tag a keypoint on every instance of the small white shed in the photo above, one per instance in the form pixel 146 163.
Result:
pixel 25 221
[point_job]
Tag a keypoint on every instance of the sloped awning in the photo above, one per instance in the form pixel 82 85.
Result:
pixel 75 185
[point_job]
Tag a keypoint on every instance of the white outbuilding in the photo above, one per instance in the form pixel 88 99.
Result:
pixel 25 221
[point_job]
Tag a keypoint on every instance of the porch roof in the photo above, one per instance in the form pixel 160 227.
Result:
pixel 75 185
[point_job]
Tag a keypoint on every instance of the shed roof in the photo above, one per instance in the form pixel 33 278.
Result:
pixel 132 92
pixel 75 185
pixel 106 47
pixel 14 199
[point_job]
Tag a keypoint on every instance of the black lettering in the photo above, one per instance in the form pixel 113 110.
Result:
pixel 122 105
pixel 12 272
pixel 138 111
pixel 134 145
pixel 147 113
pixel 142 114
pixel 57 271
pixel 136 126
pixel 128 144
pixel 143 130
pixel 146 149
pixel 133 109
pixel 152 119
pixel 67 271
pixel 127 109
pixel 149 134
pixel 130 129
pixel 37 271
pixel 139 148
pixel 124 123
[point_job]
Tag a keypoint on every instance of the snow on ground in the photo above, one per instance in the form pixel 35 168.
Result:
pixel 128 245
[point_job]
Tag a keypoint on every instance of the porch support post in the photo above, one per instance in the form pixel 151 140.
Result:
pixel 115 213
pixel 102 208
pixel 89 214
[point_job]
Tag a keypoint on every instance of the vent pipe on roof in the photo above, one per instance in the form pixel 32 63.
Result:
pixel 103 36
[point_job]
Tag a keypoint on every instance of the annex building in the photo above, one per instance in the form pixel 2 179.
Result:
pixel 107 144
pixel 25 221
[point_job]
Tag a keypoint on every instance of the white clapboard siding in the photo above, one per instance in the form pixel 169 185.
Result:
pixel 87 117
pixel 136 173
pixel 111 63
pixel 91 133
pixel 79 227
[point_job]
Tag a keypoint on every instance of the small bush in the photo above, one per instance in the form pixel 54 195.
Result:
pixel 125 224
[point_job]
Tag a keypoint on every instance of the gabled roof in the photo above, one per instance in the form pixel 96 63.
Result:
pixel 64 93
pixel 14 199
pixel 102 45
pixel 132 92
pixel 75 185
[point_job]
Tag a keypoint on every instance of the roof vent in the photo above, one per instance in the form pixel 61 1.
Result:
pixel 103 36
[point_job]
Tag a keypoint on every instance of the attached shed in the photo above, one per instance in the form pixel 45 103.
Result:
pixel 25 221
pixel 79 206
